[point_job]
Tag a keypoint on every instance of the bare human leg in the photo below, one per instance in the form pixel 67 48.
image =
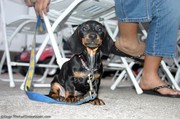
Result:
pixel 150 78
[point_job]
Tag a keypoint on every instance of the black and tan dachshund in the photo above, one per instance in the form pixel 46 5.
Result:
pixel 89 42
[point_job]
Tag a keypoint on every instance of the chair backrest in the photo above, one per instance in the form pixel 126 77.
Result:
pixel 88 9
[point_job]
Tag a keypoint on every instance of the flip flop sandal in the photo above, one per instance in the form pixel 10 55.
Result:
pixel 156 93
pixel 118 52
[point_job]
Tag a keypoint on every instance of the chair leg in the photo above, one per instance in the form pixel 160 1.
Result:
pixel 2 62
pixel 6 55
pixel 131 75
pixel 177 77
pixel 12 84
pixel 120 77
pixel 118 80
pixel 170 76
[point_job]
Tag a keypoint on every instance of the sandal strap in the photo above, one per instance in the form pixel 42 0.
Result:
pixel 118 52
pixel 160 87
pixel 130 56
pixel 140 55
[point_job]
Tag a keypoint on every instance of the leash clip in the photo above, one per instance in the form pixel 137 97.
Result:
pixel 90 80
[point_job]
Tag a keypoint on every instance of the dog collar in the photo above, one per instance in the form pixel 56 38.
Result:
pixel 86 67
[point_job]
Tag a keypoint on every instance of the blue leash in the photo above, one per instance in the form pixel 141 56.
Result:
pixel 42 98
pixel 29 77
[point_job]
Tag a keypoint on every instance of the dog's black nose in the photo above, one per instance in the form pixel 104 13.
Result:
pixel 92 36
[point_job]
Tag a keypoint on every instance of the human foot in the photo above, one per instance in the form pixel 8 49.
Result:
pixel 116 51
pixel 134 49
pixel 158 87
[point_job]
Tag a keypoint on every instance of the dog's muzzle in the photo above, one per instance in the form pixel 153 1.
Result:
pixel 92 40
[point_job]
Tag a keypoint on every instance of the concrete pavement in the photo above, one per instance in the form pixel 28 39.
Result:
pixel 122 103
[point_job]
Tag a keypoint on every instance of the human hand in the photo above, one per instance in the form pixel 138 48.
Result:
pixel 40 6
pixel 28 3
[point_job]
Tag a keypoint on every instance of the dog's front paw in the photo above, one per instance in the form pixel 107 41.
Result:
pixel 97 101
pixel 62 99
pixel 73 99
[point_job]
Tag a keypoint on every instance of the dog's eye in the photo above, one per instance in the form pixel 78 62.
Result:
pixel 84 28
pixel 99 29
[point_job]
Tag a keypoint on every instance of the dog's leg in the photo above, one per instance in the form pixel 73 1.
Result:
pixel 97 101
pixel 55 92
pixel 70 97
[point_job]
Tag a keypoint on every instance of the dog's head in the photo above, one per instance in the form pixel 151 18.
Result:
pixel 92 35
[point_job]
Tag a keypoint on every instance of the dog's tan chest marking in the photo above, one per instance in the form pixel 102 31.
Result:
pixel 78 74
pixel 92 52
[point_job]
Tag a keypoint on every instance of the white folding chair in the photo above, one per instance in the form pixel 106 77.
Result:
pixel 121 64
pixel 58 16
pixel 24 24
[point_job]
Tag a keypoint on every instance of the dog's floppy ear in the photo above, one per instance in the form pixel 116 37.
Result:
pixel 106 44
pixel 75 42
